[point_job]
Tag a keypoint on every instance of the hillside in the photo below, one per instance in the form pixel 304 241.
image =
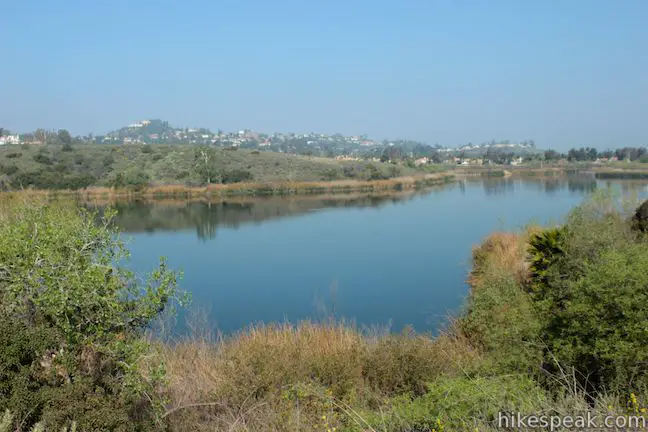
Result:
pixel 75 167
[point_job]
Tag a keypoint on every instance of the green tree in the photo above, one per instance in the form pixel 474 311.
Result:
pixel 64 138
pixel 205 163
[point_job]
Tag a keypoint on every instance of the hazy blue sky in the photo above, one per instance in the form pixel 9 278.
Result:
pixel 563 72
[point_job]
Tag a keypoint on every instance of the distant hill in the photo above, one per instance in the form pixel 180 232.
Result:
pixel 156 131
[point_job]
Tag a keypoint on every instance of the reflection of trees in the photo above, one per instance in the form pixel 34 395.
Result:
pixel 551 186
pixel 581 185
pixel 498 186
pixel 205 218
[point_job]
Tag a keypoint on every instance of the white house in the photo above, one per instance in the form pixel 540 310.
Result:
pixel 10 139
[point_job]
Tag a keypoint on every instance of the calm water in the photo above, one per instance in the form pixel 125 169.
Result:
pixel 394 260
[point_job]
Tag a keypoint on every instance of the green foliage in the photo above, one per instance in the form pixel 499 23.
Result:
pixel 236 176
pixel 593 299
pixel 463 403
pixel 8 169
pixel 502 320
pixel 131 179
pixel 64 138
pixel 73 321
pixel 545 249
pixel 640 218
pixel 173 164
pixel 205 165
pixel 51 179
pixel 43 158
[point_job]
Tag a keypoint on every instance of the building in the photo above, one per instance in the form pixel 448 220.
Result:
pixel 10 139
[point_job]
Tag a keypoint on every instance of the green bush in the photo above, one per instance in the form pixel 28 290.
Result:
pixel 463 403
pixel 593 300
pixel 133 179
pixel 71 334
pixel 52 179
pixel 502 321
pixel 545 249
pixel 9 169
pixel 236 176
pixel 43 158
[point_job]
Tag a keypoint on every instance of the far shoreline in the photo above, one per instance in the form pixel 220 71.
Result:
pixel 218 191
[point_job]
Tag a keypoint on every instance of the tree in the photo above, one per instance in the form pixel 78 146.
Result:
pixel 205 160
pixel 64 137
pixel 41 135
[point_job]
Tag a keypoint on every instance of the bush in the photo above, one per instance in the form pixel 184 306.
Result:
pixel 72 323
pixel 236 176
pixel 593 298
pixel 50 179
pixel 135 180
pixel 9 169
pixel 42 158
pixel 463 403
pixel 108 160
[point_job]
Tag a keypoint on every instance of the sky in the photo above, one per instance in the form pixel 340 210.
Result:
pixel 564 73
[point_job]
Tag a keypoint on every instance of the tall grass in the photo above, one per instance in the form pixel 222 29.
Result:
pixel 286 377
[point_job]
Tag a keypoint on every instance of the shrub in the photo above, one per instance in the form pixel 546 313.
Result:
pixel 593 299
pixel 74 321
pixel 108 160
pixel 236 176
pixel 371 172
pixel 50 179
pixel 545 249
pixel 463 403
pixel 43 158
pixel 133 179
pixel 9 169
pixel 331 174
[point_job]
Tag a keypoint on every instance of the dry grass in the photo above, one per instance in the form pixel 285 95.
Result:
pixel 285 377
pixel 234 189
pixel 501 251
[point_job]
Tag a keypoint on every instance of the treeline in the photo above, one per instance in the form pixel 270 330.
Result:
pixel 585 154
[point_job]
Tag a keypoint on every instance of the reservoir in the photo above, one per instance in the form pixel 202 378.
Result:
pixel 389 260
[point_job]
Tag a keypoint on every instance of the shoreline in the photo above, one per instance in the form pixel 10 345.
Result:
pixel 219 191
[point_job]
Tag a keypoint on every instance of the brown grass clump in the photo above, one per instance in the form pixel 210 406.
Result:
pixel 501 252
pixel 286 377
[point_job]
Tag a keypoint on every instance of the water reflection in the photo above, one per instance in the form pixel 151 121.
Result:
pixel 549 186
pixel 206 217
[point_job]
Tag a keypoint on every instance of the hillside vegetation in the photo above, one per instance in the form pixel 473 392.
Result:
pixel 555 324
pixel 138 166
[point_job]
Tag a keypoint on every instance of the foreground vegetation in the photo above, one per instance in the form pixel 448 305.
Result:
pixel 555 323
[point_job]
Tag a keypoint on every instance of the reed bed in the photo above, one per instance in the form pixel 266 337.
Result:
pixel 216 191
